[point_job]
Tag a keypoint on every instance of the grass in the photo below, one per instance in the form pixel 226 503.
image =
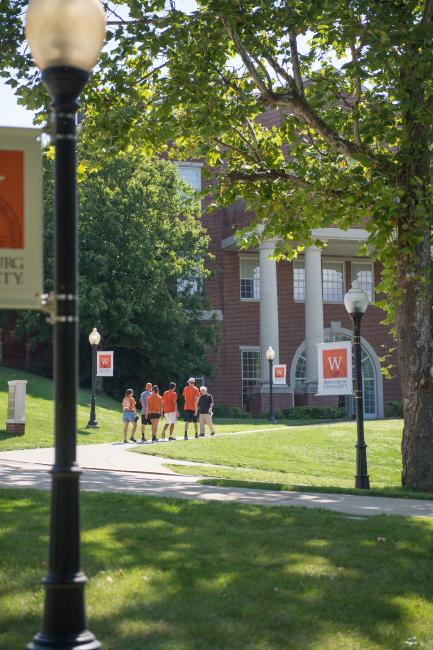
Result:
pixel 181 575
pixel 303 457
pixel 39 415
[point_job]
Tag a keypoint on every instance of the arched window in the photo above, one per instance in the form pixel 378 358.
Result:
pixel 368 373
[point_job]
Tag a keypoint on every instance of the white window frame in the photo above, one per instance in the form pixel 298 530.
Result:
pixel 186 163
pixel 248 348
pixel 298 261
pixel 249 257
pixel 364 263
pixel 334 260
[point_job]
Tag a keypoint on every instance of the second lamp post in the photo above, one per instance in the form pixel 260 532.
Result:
pixel 94 340
pixel 356 302
pixel 270 355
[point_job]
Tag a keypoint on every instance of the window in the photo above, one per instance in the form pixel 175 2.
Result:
pixel 299 281
pixel 250 360
pixel 363 272
pixel 250 278
pixel 191 174
pixel 189 286
pixel 333 281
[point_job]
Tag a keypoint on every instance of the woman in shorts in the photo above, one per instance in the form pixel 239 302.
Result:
pixel 154 410
pixel 129 415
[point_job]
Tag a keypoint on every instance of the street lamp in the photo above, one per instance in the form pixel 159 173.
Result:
pixel 270 355
pixel 94 339
pixel 356 303
pixel 65 38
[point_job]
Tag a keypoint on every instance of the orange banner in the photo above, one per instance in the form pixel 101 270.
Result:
pixel 11 199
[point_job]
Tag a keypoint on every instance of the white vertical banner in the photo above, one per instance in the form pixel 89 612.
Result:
pixel 335 368
pixel 279 373
pixel 104 364
pixel 20 219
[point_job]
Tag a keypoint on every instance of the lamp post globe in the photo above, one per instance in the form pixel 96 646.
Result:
pixel 356 303
pixel 94 340
pixel 270 356
pixel 65 39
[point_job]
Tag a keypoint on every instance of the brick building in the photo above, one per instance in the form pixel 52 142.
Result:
pixel 291 306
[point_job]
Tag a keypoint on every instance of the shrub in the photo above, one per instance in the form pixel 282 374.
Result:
pixel 230 412
pixel 314 412
pixel 393 409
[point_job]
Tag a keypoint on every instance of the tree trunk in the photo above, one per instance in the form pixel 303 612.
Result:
pixel 414 280
pixel 413 323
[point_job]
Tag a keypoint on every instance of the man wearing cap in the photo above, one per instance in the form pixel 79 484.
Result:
pixel 170 409
pixel 190 394
pixel 143 399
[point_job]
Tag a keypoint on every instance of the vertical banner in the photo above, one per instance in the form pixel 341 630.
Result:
pixel 279 374
pixel 104 364
pixel 21 237
pixel 335 368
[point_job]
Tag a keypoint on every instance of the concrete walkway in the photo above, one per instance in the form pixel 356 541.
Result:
pixel 111 468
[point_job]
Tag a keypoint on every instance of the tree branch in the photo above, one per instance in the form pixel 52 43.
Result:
pixel 296 65
pixel 273 174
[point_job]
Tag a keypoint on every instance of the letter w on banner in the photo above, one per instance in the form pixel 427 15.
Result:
pixel 335 368
pixel 105 364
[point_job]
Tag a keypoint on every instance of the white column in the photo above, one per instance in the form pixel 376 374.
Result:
pixel 313 311
pixel 268 307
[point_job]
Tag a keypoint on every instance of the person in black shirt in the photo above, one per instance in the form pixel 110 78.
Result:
pixel 204 408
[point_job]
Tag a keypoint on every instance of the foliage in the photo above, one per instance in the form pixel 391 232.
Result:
pixel 311 412
pixel 350 83
pixel 230 412
pixel 131 259
pixel 393 409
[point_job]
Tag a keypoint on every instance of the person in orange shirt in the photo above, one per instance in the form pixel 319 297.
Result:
pixel 190 394
pixel 154 410
pixel 129 414
pixel 171 413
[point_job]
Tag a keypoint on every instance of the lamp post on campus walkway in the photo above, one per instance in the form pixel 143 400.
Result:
pixel 270 355
pixel 356 303
pixel 65 39
pixel 94 340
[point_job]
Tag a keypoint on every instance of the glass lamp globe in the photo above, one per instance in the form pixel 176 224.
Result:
pixel 356 300
pixel 65 33
pixel 94 337
pixel 270 353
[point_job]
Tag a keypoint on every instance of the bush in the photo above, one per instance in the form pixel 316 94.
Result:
pixel 230 412
pixel 314 413
pixel 393 409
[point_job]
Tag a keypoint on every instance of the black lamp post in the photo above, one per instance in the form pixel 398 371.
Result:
pixel 356 302
pixel 94 339
pixel 65 39
pixel 270 355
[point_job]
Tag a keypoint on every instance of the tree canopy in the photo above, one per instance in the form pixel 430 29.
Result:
pixel 142 249
pixel 352 83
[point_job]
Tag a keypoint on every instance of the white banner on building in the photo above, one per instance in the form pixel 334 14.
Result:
pixel 279 374
pixel 335 368
pixel 20 219
pixel 104 364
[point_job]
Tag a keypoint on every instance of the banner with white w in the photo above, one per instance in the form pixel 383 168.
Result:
pixel 335 368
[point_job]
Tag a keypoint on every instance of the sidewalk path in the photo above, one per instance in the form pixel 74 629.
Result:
pixel 110 468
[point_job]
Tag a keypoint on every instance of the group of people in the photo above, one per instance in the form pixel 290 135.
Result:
pixel 198 405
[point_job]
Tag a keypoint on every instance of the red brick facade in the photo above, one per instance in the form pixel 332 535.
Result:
pixel 239 326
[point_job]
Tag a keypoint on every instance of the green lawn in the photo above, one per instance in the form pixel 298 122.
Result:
pixel 179 575
pixel 39 415
pixel 298 457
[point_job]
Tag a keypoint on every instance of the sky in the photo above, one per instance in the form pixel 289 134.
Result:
pixel 11 114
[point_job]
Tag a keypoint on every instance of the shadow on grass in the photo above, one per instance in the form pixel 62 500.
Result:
pixel 391 491
pixel 179 575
